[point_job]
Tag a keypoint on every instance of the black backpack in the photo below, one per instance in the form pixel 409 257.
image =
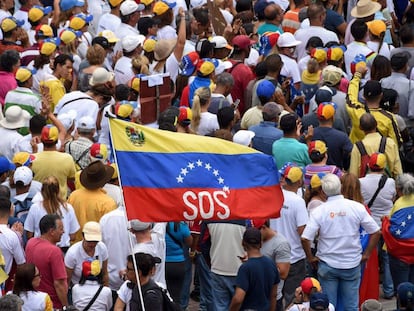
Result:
pixel 167 302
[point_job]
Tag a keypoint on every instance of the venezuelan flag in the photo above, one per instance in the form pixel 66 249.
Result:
pixel 170 176
pixel 398 230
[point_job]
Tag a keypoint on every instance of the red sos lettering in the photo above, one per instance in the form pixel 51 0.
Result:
pixel 206 205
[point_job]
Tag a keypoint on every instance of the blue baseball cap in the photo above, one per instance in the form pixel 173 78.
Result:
pixel 6 165
pixel 69 4
pixel 189 63
pixel 319 301
pixel 405 292
pixel 265 89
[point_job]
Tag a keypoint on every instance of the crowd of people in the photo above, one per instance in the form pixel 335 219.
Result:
pixel 323 87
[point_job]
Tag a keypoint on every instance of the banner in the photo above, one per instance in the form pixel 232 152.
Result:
pixel 168 176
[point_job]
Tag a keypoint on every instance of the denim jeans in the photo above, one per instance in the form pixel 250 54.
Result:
pixel 387 283
pixel 223 291
pixel 400 271
pixel 185 291
pixel 341 284
pixel 204 277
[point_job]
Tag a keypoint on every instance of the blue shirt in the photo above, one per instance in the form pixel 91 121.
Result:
pixel 266 134
pixel 256 277
pixel 175 252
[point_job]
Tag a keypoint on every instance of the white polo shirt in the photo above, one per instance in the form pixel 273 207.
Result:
pixel 293 215
pixel 123 70
pixel 23 96
pixel 338 222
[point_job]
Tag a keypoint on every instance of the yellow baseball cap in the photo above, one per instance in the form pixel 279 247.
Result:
pixel 23 74
pixel 37 12
pixel 44 31
pixel 10 23
pixel 68 35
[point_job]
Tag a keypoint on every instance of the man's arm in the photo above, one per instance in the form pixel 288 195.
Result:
pixel 238 298
pixel 373 242
pixel 283 268
pixel 105 277
pixel 273 298
pixel 69 272
pixel 61 288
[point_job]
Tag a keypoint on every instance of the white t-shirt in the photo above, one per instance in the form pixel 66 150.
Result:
pixel 290 68
pixel 305 306
pixel 292 216
pixel 83 294
pixel 114 192
pixel 33 300
pixel 123 70
pixel 384 201
pixel 384 51
pixel 156 247
pixel 338 221
pixel 125 294
pixel 9 143
pixel 37 211
pixel 11 247
pixel 82 103
pixel 166 33
pixel 76 255
pixel 303 35
pixel 225 247
pixel 23 15
pixel 108 21
pixel 353 49
pixel 115 235
pixel 208 123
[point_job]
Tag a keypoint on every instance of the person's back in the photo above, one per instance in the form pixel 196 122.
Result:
pixel 288 148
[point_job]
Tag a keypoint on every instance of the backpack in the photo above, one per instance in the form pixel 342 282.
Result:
pixel 21 208
pixel 167 302
pixel 365 156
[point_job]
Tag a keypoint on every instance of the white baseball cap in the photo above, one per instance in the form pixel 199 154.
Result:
pixel 23 174
pixel 243 137
pixel 287 40
pixel 129 6
pixel 131 42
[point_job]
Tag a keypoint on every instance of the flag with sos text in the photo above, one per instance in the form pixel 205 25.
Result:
pixel 168 176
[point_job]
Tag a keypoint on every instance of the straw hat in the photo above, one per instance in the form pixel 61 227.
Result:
pixel 164 48
pixel 365 8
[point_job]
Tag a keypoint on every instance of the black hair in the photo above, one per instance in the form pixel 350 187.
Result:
pixel 61 60
pixel 314 42
pixel 5 206
pixel 407 33
pixel 8 59
pixel 225 116
pixel 206 48
pixel 288 123
pixel 36 124
pixel 273 63
pixel 201 15
pixel 48 222
pixel 316 156
pixel 244 5
pixel 359 30
pixel 261 70
pixel 121 92
pixel 41 60
pixel 389 99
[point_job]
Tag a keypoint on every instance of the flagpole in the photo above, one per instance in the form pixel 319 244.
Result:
pixel 126 218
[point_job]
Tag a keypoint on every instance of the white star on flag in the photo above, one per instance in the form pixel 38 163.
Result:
pixel 363 233
pixel 199 163
pixel 226 189
pixel 409 217
pixel 216 173
pixel 403 224
pixel 221 180
pixel 184 171
pixel 190 165
pixel 180 179
pixel 398 232
pixel 208 166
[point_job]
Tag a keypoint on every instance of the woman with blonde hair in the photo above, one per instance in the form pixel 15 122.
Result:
pixel 140 65
pixel 203 122
pixel 49 201
pixel 95 55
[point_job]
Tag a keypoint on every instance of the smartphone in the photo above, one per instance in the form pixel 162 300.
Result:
pixel 236 104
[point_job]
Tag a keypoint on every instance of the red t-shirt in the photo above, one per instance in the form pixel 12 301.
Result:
pixel 242 75
pixel 48 258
